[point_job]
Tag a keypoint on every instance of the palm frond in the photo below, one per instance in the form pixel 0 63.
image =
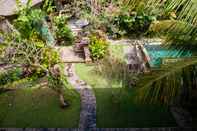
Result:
pixel 168 83
pixel 176 32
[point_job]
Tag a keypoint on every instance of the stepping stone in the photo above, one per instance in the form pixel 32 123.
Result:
pixel 88 103
pixel 87 55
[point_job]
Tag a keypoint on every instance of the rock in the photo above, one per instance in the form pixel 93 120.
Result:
pixel 9 7
pixel 82 23
pixel 5 26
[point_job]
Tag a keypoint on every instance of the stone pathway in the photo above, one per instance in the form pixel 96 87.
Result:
pixel 68 55
pixel 88 100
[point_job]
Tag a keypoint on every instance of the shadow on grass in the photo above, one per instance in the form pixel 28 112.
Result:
pixel 38 107
pixel 117 106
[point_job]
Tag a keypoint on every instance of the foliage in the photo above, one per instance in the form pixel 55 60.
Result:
pixel 119 20
pixel 173 83
pixel 180 32
pixel 134 23
pixel 33 54
pixel 48 6
pixel 76 8
pixel 98 47
pixel 27 20
pixel 11 75
pixel 115 103
pixel 27 48
pixel 181 11
pixel 62 30
pixel 58 82
pixel 114 69
pixel 66 34
pixel 50 57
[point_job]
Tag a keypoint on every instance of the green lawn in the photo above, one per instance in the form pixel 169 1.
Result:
pixel 116 106
pixel 38 107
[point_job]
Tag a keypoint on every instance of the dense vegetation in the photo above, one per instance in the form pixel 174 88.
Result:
pixel 28 53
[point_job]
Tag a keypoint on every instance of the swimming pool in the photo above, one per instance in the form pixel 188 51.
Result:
pixel 156 52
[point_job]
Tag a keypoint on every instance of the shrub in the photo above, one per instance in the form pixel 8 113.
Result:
pixel 63 33
pixel 50 57
pixel 98 47
pixel 134 23
pixel 48 6
pixel 114 69
pixel 27 20
pixel 11 75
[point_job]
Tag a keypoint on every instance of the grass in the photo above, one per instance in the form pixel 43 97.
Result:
pixel 38 108
pixel 118 51
pixel 116 106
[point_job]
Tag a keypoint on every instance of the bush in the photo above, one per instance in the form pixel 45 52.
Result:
pixel 50 57
pixel 27 20
pixel 11 75
pixel 98 47
pixel 114 69
pixel 66 35
pixel 63 33
pixel 133 24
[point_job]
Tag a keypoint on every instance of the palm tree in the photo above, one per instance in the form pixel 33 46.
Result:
pixel 180 78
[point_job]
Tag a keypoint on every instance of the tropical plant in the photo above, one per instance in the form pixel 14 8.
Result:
pixel 134 23
pixel 63 33
pixel 48 6
pixel 98 47
pixel 27 18
pixel 76 8
pixel 35 56
pixel 31 21
pixel 28 49
pixel 180 78
pixel 11 75
pixel 115 69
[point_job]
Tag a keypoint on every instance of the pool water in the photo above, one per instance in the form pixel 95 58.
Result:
pixel 157 52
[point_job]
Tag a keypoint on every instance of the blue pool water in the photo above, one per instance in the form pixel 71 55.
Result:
pixel 157 52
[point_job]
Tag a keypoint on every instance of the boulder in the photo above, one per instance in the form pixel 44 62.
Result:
pixel 7 27
pixel 9 7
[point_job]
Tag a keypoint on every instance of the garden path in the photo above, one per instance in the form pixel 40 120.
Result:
pixel 68 55
pixel 88 100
